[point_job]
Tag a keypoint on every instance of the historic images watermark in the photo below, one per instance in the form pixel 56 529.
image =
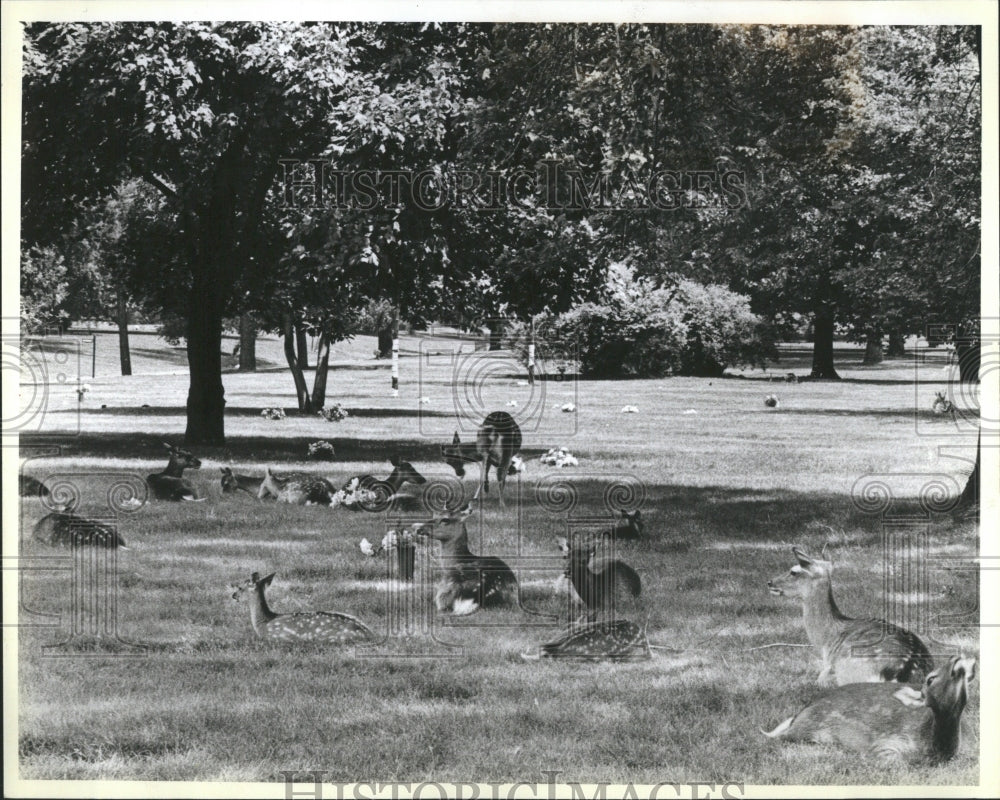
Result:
pixel 297 781
pixel 553 185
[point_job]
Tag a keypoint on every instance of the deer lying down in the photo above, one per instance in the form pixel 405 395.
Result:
pixel 852 650
pixel 620 640
pixel 887 721
pixel 234 482
pixel 298 488
pixel 333 627
pixel 469 582
pixel 171 483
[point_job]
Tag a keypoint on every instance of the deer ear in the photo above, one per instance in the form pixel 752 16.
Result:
pixel 804 560
pixel 909 696
pixel 455 439
pixel 255 576
pixel 267 581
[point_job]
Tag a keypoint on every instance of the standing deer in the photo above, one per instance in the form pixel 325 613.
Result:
pixel 307 626
pixel 384 491
pixel 498 440
pixel 297 488
pixel 603 586
pixel 469 582
pixel 171 483
pixel 889 653
pixel 889 722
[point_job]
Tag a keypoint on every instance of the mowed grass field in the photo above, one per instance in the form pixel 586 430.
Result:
pixel 726 487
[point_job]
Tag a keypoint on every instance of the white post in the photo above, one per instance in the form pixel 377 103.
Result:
pixel 395 353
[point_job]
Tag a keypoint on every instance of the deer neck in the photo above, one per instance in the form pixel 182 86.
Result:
pixel 395 480
pixel 456 548
pixel 260 611
pixel 946 733
pixel 823 618
pixel 174 469
pixel 580 572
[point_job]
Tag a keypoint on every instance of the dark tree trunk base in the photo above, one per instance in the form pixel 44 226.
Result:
pixel 822 366
pixel 248 344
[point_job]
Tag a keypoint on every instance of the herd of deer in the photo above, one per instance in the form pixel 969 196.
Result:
pixel 870 705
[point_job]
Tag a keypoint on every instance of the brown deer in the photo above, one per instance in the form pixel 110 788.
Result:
pixel 63 529
pixel 885 652
pixel 628 527
pixel 171 483
pixel 469 582
pixel 889 722
pixel 232 482
pixel 297 488
pixel 32 487
pixel 619 640
pixel 384 492
pixel 604 585
pixel 498 440
pixel 303 626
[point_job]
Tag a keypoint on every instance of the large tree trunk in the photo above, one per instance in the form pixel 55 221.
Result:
pixel 206 397
pixel 302 347
pixel 248 343
pixel 385 342
pixel 822 366
pixel 497 327
pixel 322 368
pixel 122 319
pixel 970 494
pixel 301 390
pixel 873 348
pixel 968 353
pixel 897 345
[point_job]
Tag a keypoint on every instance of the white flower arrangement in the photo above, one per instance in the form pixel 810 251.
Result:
pixel 390 541
pixel 569 408
pixel 630 410
pixel 559 457
pixel 321 450
pixel 273 413
pixel 689 411
pixel 512 403
pixel 771 401
pixel 335 414
pixel 353 495
pixel 425 400
pixel 516 465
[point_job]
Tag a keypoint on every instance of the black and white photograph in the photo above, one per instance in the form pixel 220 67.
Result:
pixel 490 400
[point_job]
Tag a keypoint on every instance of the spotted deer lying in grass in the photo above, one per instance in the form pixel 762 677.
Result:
pixel 619 640
pixel 498 440
pixel 63 528
pixel 297 488
pixel 469 582
pixel 171 483
pixel 851 650
pixel 603 585
pixel 232 482
pixel 304 626
pixel 384 492
pixel 889 722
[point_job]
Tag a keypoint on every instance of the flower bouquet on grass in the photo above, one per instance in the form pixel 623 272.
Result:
pixel 516 465
pixel 321 450
pixel 335 414
pixel 273 413
pixel 405 545
pixel 354 496
pixel 559 457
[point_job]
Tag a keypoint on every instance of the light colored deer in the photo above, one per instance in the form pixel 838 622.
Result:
pixel 305 626
pixel 889 722
pixel 851 650
pixel 603 585
pixel 171 483
pixel 232 482
pixel 384 492
pixel 498 440
pixel 469 582
pixel 619 640
pixel 297 488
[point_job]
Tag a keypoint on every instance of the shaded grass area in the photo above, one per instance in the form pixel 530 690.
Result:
pixel 725 492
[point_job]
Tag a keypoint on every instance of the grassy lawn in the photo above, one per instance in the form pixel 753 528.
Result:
pixel 726 487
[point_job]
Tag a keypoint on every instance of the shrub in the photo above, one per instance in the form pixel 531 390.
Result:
pixel 641 331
